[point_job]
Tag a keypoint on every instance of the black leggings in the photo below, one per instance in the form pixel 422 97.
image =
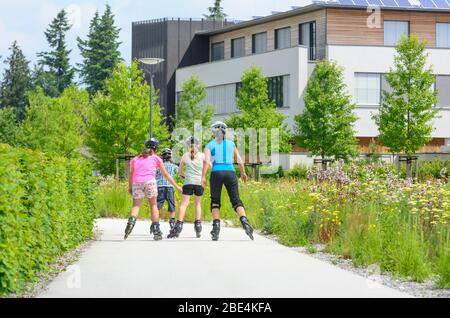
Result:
pixel 229 179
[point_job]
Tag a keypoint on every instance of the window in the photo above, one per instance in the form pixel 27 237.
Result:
pixel 217 51
pixel 223 97
pixel 308 38
pixel 259 43
pixel 367 89
pixel 277 90
pixel 283 38
pixel 393 31
pixel 443 35
pixel 443 87
pixel 238 47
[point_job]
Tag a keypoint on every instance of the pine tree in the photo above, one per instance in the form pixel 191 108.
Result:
pixel 325 128
pixel 216 12
pixel 405 118
pixel 16 82
pixel 56 63
pixel 100 51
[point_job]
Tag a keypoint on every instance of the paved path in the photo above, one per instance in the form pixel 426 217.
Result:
pixel 198 268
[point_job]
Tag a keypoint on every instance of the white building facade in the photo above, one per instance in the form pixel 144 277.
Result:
pixel 285 46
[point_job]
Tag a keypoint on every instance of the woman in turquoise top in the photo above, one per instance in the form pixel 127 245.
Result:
pixel 222 154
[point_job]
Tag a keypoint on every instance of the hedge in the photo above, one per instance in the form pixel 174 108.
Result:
pixel 46 209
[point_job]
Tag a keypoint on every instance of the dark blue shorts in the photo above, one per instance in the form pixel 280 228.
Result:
pixel 166 194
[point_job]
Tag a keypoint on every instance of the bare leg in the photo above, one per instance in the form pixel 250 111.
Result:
pixel 216 214
pixel 154 210
pixel 183 207
pixel 240 211
pixel 136 207
pixel 198 208
pixel 172 215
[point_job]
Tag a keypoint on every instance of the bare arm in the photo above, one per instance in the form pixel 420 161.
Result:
pixel 169 177
pixel 240 162
pixel 130 180
pixel 206 166
pixel 181 169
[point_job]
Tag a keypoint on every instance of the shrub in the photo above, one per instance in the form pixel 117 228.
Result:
pixel 46 209
pixel 298 172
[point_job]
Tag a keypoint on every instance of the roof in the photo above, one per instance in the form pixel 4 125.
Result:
pixel 392 5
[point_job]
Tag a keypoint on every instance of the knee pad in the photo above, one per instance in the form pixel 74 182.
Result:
pixel 215 206
pixel 237 204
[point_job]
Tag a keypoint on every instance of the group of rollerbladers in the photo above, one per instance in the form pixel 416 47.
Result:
pixel 152 177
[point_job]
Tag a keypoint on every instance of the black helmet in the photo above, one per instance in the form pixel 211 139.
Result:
pixel 166 154
pixel 152 143
pixel 191 141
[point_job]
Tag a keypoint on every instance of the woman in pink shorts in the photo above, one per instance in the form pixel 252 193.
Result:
pixel 142 184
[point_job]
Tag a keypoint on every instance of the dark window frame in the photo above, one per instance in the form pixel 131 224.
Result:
pixel 436 30
pixel 253 42
pixel 390 20
pixel 232 46
pixel 275 90
pixel 276 37
pixel 212 51
pixel 312 45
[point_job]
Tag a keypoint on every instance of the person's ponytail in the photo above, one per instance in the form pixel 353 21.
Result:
pixel 192 152
pixel 146 153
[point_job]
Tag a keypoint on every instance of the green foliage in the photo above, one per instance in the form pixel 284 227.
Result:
pixel 188 107
pixel 443 269
pixel 58 74
pixel 56 125
pixel 298 172
pixel 257 111
pixel 120 118
pixel 100 51
pixel 405 118
pixel 44 80
pixel 16 82
pixel 9 127
pixel 373 156
pixel 216 12
pixel 46 209
pixel 326 126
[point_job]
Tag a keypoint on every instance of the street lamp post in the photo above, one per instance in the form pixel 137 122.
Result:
pixel 151 61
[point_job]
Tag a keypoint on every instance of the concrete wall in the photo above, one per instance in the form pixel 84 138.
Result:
pixel 291 61
pixel 379 59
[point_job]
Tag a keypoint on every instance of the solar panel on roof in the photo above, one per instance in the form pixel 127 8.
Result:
pixel 390 3
pixel 404 3
pixel 360 2
pixel 345 2
pixel 412 4
pixel 428 4
pixel 445 5
pixel 375 2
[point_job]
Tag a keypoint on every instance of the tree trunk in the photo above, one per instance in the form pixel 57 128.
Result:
pixel 409 168
pixel 324 163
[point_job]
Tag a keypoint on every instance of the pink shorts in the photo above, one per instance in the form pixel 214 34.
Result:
pixel 147 189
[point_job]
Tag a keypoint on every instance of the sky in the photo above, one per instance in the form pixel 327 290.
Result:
pixel 26 20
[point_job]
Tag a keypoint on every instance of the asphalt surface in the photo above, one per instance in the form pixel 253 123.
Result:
pixel 234 267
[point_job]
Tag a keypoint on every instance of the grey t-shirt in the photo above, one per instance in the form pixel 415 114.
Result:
pixel 193 174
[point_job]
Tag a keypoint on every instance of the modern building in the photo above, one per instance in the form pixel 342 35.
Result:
pixel 177 41
pixel 359 37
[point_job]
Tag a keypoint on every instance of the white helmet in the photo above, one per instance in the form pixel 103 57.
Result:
pixel 219 126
